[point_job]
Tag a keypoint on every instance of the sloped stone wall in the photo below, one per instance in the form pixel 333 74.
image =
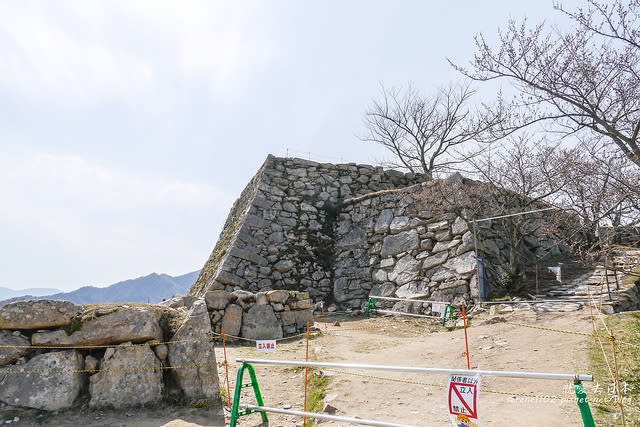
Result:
pixel 280 232
pixel 340 232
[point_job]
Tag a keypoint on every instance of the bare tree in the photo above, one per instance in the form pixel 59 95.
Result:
pixel 521 181
pixel 429 134
pixel 585 80
pixel 601 188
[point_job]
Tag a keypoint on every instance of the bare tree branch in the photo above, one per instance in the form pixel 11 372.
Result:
pixel 430 134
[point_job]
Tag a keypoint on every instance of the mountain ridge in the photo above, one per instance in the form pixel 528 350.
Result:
pixel 150 288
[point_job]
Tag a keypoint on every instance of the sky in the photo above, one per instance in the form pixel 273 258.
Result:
pixel 128 128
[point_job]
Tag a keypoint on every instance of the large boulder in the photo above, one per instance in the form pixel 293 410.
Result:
pixel 217 300
pixel 136 324
pixel 413 290
pixel 434 260
pixel 260 323
pixel 38 314
pixel 193 357
pixel 465 263
pixel 232 320
pixel 354 238
pixel 401 242
pixel 9 353
pixel 383 289
pixel 278 296
pixel 383 222
pixel 303 317
pixel 405 270
pixel 345 291
pixel 47 391
pixel 135 378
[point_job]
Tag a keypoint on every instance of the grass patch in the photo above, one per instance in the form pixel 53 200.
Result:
pixel 602 393
pixel 317 384
pixel 224 396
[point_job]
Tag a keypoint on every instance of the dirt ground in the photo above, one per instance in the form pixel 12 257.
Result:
pixel 495 343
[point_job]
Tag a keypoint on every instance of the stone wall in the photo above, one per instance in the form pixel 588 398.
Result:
pixel 261 316
pixel 280 232
pixel 392 244
pixel 55 354
pixel 341 232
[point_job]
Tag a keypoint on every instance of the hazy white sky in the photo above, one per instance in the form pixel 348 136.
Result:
pixel 127 128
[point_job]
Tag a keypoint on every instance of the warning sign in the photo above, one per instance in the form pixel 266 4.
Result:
pixel 463 399
pixel 266 346
pixel 437 307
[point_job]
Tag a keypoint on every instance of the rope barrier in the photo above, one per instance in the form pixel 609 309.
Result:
pixel 93 371
pixel 549 329
pixel 97 346
pixel 398 380
pixel 152 343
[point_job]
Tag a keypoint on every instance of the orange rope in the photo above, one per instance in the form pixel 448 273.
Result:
pixel 226 365
pixel 466 342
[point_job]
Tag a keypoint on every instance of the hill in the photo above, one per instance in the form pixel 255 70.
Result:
pixel 6 293
pixel 152 288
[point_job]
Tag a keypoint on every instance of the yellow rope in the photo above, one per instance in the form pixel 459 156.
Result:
pixel 92 371
pixel 98 346
pixel 550 329
pixel 443 386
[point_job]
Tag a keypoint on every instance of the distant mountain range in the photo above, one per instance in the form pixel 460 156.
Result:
pixel 151 288
pixel 6 293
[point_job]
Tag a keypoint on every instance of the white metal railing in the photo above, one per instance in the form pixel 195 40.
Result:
pixel 536 301
pixel 511 374
pixel 408 299
pixel 407 314
pixel 322 416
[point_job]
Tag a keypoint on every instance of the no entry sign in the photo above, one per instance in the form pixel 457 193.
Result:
pixel 463 399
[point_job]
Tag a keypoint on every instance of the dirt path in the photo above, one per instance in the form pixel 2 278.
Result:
pixel 414 399
pixel 389 397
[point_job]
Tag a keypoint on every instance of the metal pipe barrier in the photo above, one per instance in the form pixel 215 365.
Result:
pixel 371 307
pixel 424 316
pixel 511 374
pixel 409 299
pixel 321 416
pixel 260 408
pixel 536 301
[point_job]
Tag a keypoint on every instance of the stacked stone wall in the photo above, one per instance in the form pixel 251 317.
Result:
pixel 55 355
pixel 341 232
pixel 391 244
pixel 281 232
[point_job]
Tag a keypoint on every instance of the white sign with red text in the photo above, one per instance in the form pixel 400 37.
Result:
pixel 266 346
pixel 463 399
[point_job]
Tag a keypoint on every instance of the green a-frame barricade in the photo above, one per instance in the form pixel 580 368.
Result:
pixel 235 409
pixel 371 307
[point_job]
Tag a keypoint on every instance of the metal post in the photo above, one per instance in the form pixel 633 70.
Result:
pixel 583 405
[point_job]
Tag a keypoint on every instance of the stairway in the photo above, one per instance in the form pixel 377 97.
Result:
pixel 579 282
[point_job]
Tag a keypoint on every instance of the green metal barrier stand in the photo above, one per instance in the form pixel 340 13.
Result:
pixel 444 315
pixel 583 404
pixel 371 305
pixel 235 412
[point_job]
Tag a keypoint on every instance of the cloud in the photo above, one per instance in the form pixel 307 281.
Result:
pixel 143 222
pixel 81 52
